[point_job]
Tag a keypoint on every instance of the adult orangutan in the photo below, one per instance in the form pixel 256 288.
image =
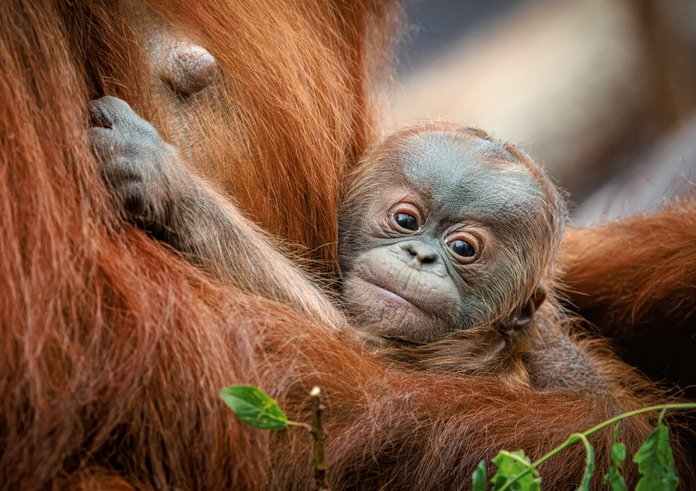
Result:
pixel 115 348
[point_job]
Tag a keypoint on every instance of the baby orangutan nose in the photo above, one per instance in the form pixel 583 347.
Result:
pixel 422 252
pixel 421 257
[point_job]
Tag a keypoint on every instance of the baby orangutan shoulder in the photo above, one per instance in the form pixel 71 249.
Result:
pixel 447 241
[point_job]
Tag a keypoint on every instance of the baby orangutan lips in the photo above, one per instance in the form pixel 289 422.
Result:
pixel 390 296
pixel 387 295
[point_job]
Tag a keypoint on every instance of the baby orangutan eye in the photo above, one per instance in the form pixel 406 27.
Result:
pixel 464 247
pixel 406 221
pixel 405 216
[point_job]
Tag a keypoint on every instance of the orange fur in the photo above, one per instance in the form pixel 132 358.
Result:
pixel 293 118
pixel 636 280
pixel 114 349
pixel 627 295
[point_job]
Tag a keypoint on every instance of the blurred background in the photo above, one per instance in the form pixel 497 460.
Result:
pixel 601 92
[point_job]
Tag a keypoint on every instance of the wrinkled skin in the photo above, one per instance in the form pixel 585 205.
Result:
pixel 140 166
pixel 456 236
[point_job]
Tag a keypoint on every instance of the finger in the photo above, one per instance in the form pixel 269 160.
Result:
pixel 98 115
pixel 114 112
pixel 103 142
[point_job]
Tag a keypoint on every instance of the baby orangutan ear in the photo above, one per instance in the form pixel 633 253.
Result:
pixel 523 315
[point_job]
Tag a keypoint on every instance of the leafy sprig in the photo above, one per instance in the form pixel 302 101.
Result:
pixel 655 460
pixel 258 410
pixel 514 470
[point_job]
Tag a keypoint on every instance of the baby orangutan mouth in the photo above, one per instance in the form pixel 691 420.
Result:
pixel 390 296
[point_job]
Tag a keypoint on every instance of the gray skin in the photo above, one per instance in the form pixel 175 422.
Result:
pixel 411 285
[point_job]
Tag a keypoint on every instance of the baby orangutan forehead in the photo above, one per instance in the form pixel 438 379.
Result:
pixel 461 172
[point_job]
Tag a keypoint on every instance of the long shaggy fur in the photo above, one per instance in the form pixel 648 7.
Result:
pixel 636 281
pixel 114 349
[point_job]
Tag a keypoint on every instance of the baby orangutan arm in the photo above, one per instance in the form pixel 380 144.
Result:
pixel 159 193
pixel 541 356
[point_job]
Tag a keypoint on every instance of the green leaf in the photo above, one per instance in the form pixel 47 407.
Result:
pixel 478 478
pixel 618 454
pixel 253 407
pixel 510 465
pixel 656 462
pixel 589 465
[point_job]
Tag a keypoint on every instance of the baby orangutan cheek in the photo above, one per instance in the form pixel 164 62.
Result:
pixel 387 297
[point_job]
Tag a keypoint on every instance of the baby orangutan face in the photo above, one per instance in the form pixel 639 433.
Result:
pixel 443 229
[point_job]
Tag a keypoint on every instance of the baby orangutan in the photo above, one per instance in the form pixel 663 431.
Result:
pixel 441 230
pixel 446 241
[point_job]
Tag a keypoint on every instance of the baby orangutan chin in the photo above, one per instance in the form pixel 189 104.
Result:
pixel 447 241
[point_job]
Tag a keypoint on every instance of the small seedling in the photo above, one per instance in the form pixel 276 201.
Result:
pixel 258 410
pixel 515 472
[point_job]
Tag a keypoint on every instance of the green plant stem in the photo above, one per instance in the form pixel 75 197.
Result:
pixel 661 407
pixel 583 436
pixel 298 423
